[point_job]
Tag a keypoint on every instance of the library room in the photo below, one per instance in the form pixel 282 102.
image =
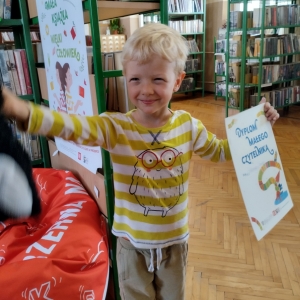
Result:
pixel 150 150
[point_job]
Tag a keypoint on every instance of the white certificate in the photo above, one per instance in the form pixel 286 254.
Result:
pixel 259 169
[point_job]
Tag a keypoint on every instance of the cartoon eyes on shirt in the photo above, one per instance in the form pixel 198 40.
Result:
pixel 150 160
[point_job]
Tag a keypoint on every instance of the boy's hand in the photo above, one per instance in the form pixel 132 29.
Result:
pixel 270 112
pixel 14 107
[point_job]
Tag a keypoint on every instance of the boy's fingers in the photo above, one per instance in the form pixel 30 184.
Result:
pixel 263 100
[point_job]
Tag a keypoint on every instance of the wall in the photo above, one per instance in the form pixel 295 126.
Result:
pixel 216 15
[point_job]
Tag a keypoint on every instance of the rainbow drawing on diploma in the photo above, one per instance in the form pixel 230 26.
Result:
pixel 257 222
pixel 280 195
pixel 260 113
pixel 231 123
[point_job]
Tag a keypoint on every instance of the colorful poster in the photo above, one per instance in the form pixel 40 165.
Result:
pixel 259 169
pixel 64 47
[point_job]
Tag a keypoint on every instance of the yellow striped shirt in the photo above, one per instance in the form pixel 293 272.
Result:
pixel 150 167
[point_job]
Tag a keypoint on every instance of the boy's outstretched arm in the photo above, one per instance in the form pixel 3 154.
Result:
pixel 270 112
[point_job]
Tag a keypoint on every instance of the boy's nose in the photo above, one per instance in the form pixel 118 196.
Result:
pixel 147 89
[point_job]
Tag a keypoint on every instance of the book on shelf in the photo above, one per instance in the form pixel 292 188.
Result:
pixel 249 19
pixel 189 65
pixel 250 47
pixel 195 64
pixel 268 16
pixel 234 96
pixel 7 9
pixel 221 89
pixel 192 45
pixel 7 61
pixel 234 48
pixel 236 18
pixel 257 16
pixel 1 8
pixel 30 142
pixel 234 71
pixel 4 70
pixel 20 71
pixel 220 67
pixel 14 71
pixel 222 34
pixel 38 52
pixel 180 6
pixel 187 84
pixel 26 71
pixel 221 46
pixel 188 26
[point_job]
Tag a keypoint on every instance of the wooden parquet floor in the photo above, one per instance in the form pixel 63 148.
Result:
pixel 225 261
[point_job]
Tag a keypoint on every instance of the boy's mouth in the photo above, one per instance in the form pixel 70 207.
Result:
pixel 148 101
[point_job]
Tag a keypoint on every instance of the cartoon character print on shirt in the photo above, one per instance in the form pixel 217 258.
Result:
pixel 157 181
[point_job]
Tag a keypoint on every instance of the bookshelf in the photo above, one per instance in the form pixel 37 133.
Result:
pixel 265 40
pixel 189 18
pixel 220 68
pixel 95 11
pixel 19 26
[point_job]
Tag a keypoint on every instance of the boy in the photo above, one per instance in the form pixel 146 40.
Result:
pixel 150 148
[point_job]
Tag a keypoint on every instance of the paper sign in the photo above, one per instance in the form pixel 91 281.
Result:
pixel 259 169
pixel 63 42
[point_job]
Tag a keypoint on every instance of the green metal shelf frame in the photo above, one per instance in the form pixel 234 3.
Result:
pixel 21 30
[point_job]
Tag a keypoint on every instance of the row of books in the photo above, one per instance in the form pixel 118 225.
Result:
pixel 272 46
pixel 8 36
pixel 270 73
pixel 187 6
pixel 189 26
pixel 280 97
pixel 5 9
pixel 284 15
pixel 277 15
pixel 277 97
pixel 14 72
pixel 222 32
pixel 289 43
pixel 276 73
pixel 30 142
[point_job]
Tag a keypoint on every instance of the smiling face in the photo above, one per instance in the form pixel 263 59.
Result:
pixel 69 79
pixel 151 85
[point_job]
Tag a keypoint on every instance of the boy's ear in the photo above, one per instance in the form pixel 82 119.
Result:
pixel 178 81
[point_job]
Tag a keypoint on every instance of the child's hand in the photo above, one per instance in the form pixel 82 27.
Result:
pixel 270 112
pixel 14 107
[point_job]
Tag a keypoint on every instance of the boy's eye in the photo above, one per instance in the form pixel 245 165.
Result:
pixel 134 79
pixel 158 79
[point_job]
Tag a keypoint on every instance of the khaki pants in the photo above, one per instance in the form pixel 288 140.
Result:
pixel 137 283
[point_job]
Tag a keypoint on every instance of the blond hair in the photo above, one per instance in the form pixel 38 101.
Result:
pixel 156 39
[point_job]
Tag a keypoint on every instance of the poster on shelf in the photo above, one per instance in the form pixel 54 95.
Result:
pixel 259 169
pixel 65 55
